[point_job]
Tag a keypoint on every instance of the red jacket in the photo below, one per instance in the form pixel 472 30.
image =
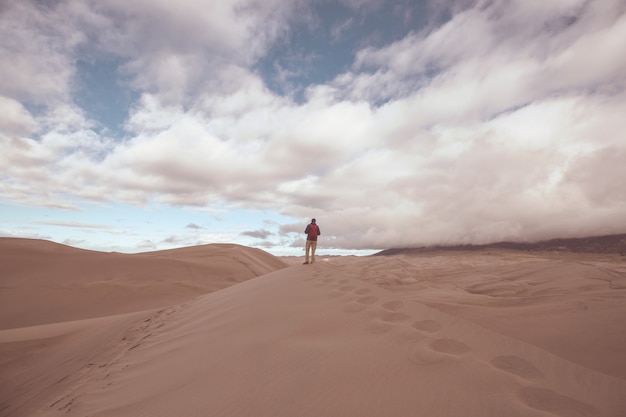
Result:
pixel 313 231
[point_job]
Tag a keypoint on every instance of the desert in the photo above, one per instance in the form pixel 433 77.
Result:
pixel 169 170
pixel 229 330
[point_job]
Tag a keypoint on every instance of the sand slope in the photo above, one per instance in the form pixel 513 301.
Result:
pixel 573 305
pixel 44 282
pixel 313 341
pixel 37 362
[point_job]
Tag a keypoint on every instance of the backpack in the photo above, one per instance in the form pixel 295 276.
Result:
pixel 313 231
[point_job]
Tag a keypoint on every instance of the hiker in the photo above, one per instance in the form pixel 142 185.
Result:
pixel 312 232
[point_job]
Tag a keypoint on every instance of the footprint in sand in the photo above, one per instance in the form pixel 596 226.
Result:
pixel 378 327
pixel 395 317
pixel 428 357
pixel 323 283
pixel 516 366
pixel 370 299
pixel 428 326
pixel 354 307
pixel 450 346
pixel 392 315
pixel 555 403
pixel 393 305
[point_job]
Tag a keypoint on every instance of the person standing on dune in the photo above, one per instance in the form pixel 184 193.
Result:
pixel 312 232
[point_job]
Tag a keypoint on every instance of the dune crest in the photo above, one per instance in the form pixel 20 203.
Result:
pixel 46 282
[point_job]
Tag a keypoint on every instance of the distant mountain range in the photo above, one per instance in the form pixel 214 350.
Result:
pixel 594 244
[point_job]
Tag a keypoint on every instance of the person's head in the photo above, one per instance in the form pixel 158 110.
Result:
pixel 312 220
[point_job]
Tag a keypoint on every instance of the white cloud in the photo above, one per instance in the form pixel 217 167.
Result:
pixel 180 50
pixel 22 234
pixel 15 120
pixel 146 244
pixel 504 123
pixel 74 224
pixel 37 41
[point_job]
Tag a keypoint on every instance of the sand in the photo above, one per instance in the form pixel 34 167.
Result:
pixel 498 333
pixel 43 282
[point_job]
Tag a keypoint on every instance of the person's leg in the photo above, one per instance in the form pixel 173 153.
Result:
pixel 313 247
pixel 308 248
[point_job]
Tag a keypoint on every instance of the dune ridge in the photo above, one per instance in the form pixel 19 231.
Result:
pixel 46 282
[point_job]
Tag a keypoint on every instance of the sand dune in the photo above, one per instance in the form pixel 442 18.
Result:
pixel 44 282
pixel 573 305
pixel 38 362
pixel 454 334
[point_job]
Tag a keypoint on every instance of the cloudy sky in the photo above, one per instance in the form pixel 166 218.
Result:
pixel 153 124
